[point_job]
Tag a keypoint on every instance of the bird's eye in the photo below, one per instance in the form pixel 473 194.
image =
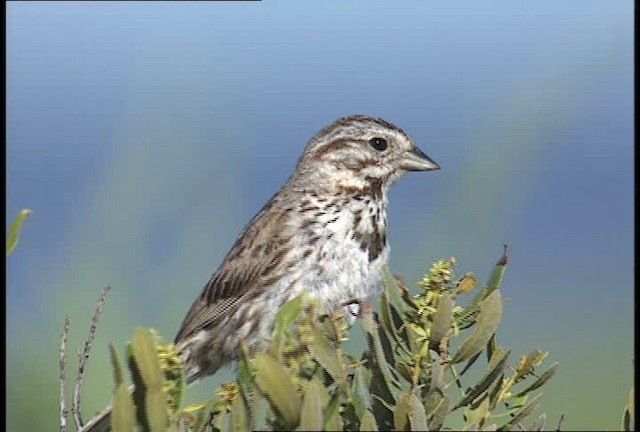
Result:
pixel 379 144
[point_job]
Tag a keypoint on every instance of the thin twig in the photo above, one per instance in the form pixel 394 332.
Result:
pixel 77 415
pixel 63 375
pixel 560 422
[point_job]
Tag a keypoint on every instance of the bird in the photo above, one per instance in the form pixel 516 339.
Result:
pixel 324 232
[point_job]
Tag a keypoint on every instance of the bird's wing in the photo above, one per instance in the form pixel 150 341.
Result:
pixel 254 262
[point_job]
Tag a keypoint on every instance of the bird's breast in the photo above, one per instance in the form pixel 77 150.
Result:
pixel 341 250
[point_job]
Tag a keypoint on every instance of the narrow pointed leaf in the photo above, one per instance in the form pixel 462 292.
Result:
pixel 392 322
pixel 239 415
pixel 437 373
pixel 123 414
pixel 368 422
pixel 146 358
pixel 437 407
pixel 117 366
pixel 381 366
pixel 466 284
pixel 528 362
pixel 203 413
pixel 274 381
pixel 485 382
pixel 546 376
pixel 470 363
pixel 401 413
pixel 311 417
pixel 332 420
pixel 393 290
pixel 287 315
pixel 492 346
pixel 477 415
pixel 360 396
pixel 526 411
pixel 486 326
pixel 495 279
pixel 320 348
pixel 13 236
pixel 494 391
pixel 157 410
pixel 417 415
pixel 442 320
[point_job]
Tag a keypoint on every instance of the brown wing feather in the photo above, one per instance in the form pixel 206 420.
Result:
pixel 251 264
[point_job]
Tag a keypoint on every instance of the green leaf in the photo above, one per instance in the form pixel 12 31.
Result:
pixel 404 370
pixel 546 376
pixel 392 322
pixel 494 373
pixel 138 394
pixel 495 391
pixel 117 366
pixel 401 414
pixel 380 363
pixel 274 381
pixel 146 357
pixel 332 420
pixel 486 326
pixel 495 280
pixel 391 287
pixel 244 378
pixel 492 346
pixel 436 383
pixel 311 417
pixel 475 417
pixel 368 422
pixel 528 409
pixel 393 307
pixel 123 411
pixel 393 297
pixel 157 410
pixel 239 416
pixel 320 348
pixel 287 315
pixel 437 407
pixel 417 415
pixel 360 396
pixel 13 236
pixel 410 413
pixel 442 320
pixel 204 411
pixel 466 283
pixel 528 362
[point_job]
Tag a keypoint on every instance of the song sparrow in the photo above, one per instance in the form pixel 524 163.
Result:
pixel 324 232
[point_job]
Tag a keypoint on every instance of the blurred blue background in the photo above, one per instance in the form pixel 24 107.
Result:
pixel 145 135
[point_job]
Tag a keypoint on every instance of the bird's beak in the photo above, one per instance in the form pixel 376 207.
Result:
pixel 415 160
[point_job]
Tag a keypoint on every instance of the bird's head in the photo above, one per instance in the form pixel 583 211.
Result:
pixel 356 150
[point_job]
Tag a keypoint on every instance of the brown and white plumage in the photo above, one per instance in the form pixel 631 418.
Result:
pixel 324 232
